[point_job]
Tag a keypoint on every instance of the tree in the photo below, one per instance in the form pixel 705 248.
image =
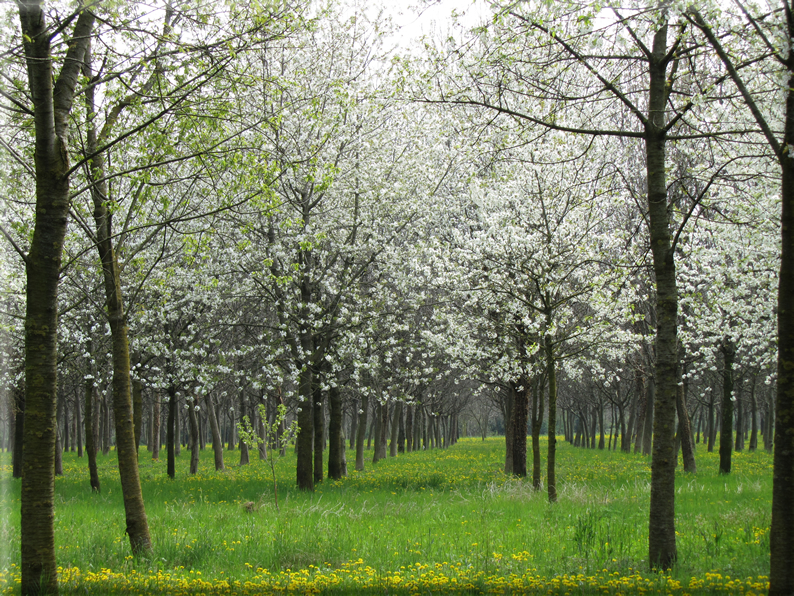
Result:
pixel 52 96
pixel 587 72
pixel 781 537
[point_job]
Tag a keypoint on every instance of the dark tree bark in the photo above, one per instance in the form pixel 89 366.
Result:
pixel 395 427
pixel 155 437
pixel 685 431
pixel 305 439
pixel 354 426
pixel 361 434
pixel 19 428
pixel 662 551
pixel 335 438
pixel 52 102
pixel 194 438
pixel 217 442
pixel 508 418
pixel 402 436
pixel 639 421
pixel 244 455
pixel 753 417
pixel 518 421
pixel 551 371
pixel 376 429
pixel 538 405
pixel 170 433
pixel 59 437
pixel 137 412
pixel 319 431
pixel 726 428
pixel 78 425
pixel 90 437
pixel 647 433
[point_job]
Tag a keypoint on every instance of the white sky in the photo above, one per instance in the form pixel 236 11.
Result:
pixel 432 18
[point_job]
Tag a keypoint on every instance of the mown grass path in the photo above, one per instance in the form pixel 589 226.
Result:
pixel 438 521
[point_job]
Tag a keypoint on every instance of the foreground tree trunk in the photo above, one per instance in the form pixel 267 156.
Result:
pixel 305 441
pixel 319 432
pixel 52 104
pixel 361 433
pixel 155 438
pixel 194 438
pixel 781 536
pixel 217 442
pixel 137 412
pixel 726 427
pixel 170 433
pixel 123 410
pixel 551 371
pixel 335 438
pixel 396 420
pixel 685 431
pixel 90 444
pixel 537 421
pixel 19 430
pixel 662 551
pixel 519 423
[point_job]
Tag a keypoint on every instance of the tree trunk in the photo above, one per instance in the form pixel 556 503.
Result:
pixel 770 426
pixel 409 428
pixel 353 427
pixel 381 430
pixel 726 428
pixel 170 434
pixel 753 417
pixel 90 437
pixel 19 430
pixel 156 442
pixel 781 536
pixel 319 432
pixel 662 551
pixel 104 427
pixel 194 437
pixel 335 439
pixel 551 371
pixel 642 398
pixel 361 432
pixel 601 440
pixel 217 441
pixel 538 392
pixel 519 423
pixel 137 412
pixel 710 426
pixel 177 434
pixel 625 441
pixel 123 409
pixel 685 431
pixel 401 435
pixel 508 418
pixel 78 423
pixel 244 456
pixel 647 433
pixel 59 436
pixel 52 104
pixel 304 468
pixel 738 444
pixel 395 428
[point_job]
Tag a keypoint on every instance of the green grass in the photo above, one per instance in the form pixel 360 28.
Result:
pixel 427 518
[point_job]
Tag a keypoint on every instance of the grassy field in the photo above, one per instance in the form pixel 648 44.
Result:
pixel 429 522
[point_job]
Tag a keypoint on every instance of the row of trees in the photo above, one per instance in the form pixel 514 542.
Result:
pixel 565 208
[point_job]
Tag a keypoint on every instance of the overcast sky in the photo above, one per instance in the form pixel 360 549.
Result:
pixel 432 17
